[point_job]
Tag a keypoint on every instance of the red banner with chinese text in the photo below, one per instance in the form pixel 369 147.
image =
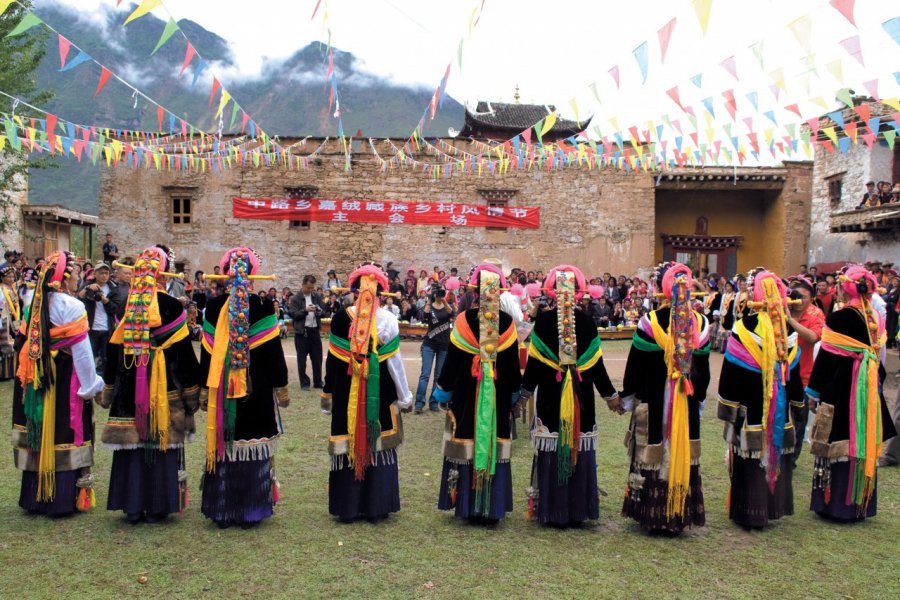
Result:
pixel 387 212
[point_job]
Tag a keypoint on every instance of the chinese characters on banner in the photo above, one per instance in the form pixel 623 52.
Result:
pixel 388 212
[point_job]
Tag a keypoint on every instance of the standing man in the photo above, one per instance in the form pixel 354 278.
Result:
pixel 95 297
pixel 306 310
pixel 110 250
pixel 118 296
pixel 807 320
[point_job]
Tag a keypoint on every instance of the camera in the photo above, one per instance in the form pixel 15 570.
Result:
pixel 91 296
pixel 795 295
pixel 437 291
pixel 543 301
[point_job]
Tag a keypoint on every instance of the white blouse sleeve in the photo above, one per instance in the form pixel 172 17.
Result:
pixel 65 309
pixel 388 328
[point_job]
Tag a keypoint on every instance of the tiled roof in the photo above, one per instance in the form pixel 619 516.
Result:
pixel 516 117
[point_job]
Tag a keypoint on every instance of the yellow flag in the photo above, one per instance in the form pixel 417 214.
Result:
pixel 802 29
pixel 778 77
pixel 574 104
pixel 223 102
pixel 4 4
pixel 703 8
pixel 144 7
pixel 549 122
pixel 829 131
pixel 819 100
pixel 835 67
pixel 892 102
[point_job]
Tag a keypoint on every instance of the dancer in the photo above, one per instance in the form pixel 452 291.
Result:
pixel 852 419
pixel 760 380
pixel 478 380
pixel 665 383
pixel 367 387
pixel 565 363
pixel 245 378
pixel 152 393
pixel 53 421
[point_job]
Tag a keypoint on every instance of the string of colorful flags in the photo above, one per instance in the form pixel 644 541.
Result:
pixel 663 142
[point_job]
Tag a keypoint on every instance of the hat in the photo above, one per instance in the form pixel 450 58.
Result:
pixel 870 183
pixel 101 265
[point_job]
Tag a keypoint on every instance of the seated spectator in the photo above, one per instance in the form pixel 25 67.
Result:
pixel 618 315
pixel 884 197
pixel 407 312
pixel 869 197
pixel 895 194
pixel 389 305
pixel 604 312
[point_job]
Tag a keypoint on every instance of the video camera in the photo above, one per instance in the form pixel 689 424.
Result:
pixel 437 291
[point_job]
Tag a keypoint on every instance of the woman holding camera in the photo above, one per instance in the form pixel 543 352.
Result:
pixel 438 315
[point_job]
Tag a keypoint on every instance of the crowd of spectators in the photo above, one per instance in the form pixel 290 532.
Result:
pixel 880 194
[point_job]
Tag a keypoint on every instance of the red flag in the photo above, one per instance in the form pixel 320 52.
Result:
pixel 215 88
pixel 845 7
pixel 104 77
pixel 245 118
pixel 160 111
pixel 730 102
pixel 527 135
pixel 188 57
pixel 673 94
pixel 665 34
pixel 864 112
pixel 64 46
pixel 614 73
pixel 794 109
pixel 51 132
pixel 813 125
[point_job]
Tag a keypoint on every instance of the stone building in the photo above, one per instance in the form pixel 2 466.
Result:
pixel 598 219
pixel 840 232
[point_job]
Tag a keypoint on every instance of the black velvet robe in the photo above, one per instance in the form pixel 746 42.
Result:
pixel 543 378
pixel 183 378
pixel 257 413
pixel 456 377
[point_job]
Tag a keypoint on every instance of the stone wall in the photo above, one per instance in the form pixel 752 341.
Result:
pixel 599 220
pixel 859 165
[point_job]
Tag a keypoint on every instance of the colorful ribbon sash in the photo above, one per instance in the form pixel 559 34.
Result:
pixel 224 383
pixel 761 357
pixel 865 412
pixel 464 338
pixel 364 400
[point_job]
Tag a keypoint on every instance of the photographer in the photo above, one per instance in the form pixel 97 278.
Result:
pixel 438 314
pixel 100 312
pixel 808 321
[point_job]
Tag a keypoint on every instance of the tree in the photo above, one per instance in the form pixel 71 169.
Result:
pixel 20 56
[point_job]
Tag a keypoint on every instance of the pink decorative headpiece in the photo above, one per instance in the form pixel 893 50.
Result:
pixel 369 269
pixel 550 281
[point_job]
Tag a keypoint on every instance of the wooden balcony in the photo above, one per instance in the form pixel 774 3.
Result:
pixel 876 218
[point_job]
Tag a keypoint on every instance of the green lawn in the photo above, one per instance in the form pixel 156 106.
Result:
pixel 422 552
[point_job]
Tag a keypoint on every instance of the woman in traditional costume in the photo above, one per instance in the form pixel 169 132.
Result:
pixel 565 363
pixel 53 421
pixel 479 379
pixel 10 320
pixel 152 392
pixel 665 384
pixel 244 378
pixel 760 381
pixel 366 385
pixel 852 419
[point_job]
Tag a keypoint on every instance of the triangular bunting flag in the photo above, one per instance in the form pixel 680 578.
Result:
pixel 752 97
pixel 835 67
pixel 28 21
pixel 845 7
pixel 708 103
pixel 160 111
pixel 703 8
pixel 851 45
pixel 673 94
pixel 872 87
pixel 893 28
pixel 730 103
pixel 64 45
pixel 730 65
pixel 864 112
pixel 770 114
pixel 144 7
pixel 802 28
pixel 614 73
pixel 665 34
pixel 189 54
pixel 170 29
pixel 757 50
pixel 640 55
pixel 81 57
pixel 838 117
pixel 794 109
pixel 889 136
pixel 829 132
pixel 844 96
pixel 104 77
pixel 215 88
pixel 697 79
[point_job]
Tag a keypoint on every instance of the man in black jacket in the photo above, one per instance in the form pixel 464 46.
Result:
pixel 100 312
pixel 118 297
pixel 306 309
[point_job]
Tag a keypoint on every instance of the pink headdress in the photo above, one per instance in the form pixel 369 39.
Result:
pixel 669 272
pixel 517 290
pixel 248 253
pixel 857 282
pixel 533 290
pixel 453 283
pixel 759 292
pixel 595 291
pixel 580 282
pixel 369 269
pixel 473 278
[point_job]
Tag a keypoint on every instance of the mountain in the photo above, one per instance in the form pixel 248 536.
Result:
pixel 288 99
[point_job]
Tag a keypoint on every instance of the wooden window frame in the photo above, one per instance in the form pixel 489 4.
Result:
pixel 497 199
pixel 835 182
pixel 301 191
pixel 179 217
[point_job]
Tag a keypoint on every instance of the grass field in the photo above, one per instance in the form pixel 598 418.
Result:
pixel 422 552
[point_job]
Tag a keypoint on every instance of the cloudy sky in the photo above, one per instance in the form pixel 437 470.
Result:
pixel 563 50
